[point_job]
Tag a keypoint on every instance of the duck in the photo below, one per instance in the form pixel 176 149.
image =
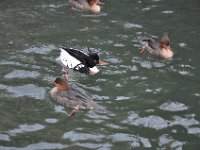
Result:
pixel 72 96
pixel 158 47
pixel 86 5
pixel 75 59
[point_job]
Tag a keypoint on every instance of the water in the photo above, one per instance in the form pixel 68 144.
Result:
pixel 151 103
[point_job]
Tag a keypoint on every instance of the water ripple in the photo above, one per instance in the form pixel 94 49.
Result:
pixel 147 64
pixel 4 137
pixel 128 25
pixel 158 123
pixel 153 121
pixel 40 50
pixel 167 12
pixel 119 98
pixel 182 45
pixel 26 128
pixel 92 115
pixel 37 146
pixel 110 72
pixel 74 136
pixel 135 141
pixel 166 141
pixel 194 130
pixel 185 122
pixel 173 106
pixel 51 120
pixel 183 69
pixel 14 63
pixel 30 90
pixel 101 146
pixel 22 74
pixel 148 8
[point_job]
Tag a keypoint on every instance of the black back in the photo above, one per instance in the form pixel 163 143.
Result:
pixel 86 60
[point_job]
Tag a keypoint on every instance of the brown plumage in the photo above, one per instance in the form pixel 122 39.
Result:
pixel 72 96
pixel 160 48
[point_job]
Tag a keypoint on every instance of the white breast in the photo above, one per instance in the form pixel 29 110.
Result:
pixel 93 71
pixel 167 54
pixel 95 9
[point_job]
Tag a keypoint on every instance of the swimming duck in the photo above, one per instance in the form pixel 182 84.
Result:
pixel 160 48
pixel 79 61
pixel 86 5
pixel 72 96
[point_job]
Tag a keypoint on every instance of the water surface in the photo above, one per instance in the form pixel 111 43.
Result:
pixel 151 103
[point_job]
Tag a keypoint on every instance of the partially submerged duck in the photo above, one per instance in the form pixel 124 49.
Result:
pixel 79 61
pixel 86 5
pixel 160 48
pixel 72 96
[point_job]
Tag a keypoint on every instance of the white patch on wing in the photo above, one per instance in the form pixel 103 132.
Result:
pixel 68 60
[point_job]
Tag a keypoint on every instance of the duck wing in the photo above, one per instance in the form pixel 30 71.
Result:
pixel 153 44
pixel 83 98
pixel 75 97
pixel 73 59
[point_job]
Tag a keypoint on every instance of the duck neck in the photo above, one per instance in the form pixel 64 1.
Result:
pixel 62 87
pixel 92 2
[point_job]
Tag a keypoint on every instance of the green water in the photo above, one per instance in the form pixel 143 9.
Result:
pixel 151 103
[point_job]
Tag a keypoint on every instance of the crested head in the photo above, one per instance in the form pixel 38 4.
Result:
pixel 92 2
pixel 164 41
pixel 59 80
pixel 93 6
pixel 61 84
pixel 94 57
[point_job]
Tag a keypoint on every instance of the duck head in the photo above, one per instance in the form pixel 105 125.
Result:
pixel 166 51
pixel 164 41
pixel 92 2
pixel 94 57
pixel 94 7
pixel 61 84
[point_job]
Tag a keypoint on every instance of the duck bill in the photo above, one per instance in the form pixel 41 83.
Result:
pixel 103 63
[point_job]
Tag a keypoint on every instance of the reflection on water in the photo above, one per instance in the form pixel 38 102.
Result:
pixel 150 103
